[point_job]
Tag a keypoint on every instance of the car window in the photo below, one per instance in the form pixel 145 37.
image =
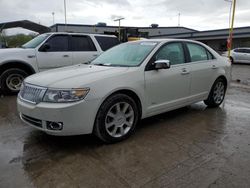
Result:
pixel 82 43
pixel 58 43
pixel 126 54
pixel 209 55
pixel 197 52
pixel 240 50
pixel 107 42
pixel 247 51
pixel 172 52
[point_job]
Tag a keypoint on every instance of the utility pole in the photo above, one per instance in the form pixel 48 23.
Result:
pixel 53 15
pixel 229 46
pixel 119 30
pixel 179 19
pixel 65 15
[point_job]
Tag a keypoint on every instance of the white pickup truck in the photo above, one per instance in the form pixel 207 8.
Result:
pixel 49 51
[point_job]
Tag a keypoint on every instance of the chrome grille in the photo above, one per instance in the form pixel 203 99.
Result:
pixel 31 93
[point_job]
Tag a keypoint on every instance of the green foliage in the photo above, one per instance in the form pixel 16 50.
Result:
pixel 17 40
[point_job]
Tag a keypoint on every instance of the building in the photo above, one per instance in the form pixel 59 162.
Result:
pixel 217 39
pixel 151 31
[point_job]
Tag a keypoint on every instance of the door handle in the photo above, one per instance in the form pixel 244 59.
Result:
pixel 214 67
pixel 65 55
pixel 95 55
pixel 184 71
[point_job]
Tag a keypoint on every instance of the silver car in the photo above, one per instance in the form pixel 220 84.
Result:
pixel 240 55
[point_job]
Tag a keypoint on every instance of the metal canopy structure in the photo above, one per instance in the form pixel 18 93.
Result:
pixel 26 25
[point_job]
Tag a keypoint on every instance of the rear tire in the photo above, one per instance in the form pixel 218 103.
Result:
pixel 11 80
pixel 232 60
pixel 116 119
pixel 217 93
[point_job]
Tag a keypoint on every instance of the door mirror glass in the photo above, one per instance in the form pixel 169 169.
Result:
pixel 162 64
pixel 45 47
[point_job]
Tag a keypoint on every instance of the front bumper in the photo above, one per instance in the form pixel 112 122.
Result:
pixel 77 118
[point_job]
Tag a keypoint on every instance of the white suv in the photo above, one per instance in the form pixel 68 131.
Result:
pixel 48 51
pixel 129 82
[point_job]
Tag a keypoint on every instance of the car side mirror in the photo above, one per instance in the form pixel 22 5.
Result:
pixel 162 64
pixel 45 47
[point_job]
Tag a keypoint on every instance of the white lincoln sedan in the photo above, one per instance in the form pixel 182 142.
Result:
pixel 127 83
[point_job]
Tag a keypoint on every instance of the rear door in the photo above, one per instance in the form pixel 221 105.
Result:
pixel 83 49
pixel 203 68
pixel 58 55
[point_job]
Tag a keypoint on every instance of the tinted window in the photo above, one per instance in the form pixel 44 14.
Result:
pixel 240 50
pixel 248 51
pixel 58 43
pixel 82 43
pixel 197 52
pixel 106 42
pixel 172 52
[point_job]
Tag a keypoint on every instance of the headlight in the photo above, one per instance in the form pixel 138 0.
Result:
pixel 65 95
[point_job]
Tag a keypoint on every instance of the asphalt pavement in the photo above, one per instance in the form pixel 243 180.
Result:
pixel 190 147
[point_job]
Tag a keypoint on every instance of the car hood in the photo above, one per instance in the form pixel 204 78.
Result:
pixel 15 51
pixel 74 76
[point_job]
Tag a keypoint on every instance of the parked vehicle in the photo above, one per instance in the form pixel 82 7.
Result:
pixel 49 51
pixel 127 83
pixel 239 55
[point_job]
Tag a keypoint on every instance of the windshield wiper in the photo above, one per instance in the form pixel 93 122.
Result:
pixel 101 64
pixel 87 63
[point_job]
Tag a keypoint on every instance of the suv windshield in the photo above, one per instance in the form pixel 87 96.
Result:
pixel 127 54
pixel 36 41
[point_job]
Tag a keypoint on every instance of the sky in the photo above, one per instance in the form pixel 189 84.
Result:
pixel 196 14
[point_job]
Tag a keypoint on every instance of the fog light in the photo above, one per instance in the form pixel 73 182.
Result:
pixel 55 126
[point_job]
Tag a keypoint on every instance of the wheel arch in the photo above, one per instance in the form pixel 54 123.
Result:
pixel 223 78
pixel 17 64
pixel 128 92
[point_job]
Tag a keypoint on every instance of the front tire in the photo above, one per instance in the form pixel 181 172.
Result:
pixel 11 80
pixel 217 93
pixel 116 119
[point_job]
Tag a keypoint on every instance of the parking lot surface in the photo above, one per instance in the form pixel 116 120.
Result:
pixel 190 147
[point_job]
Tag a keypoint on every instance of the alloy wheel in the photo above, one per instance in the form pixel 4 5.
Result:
pixel 119 119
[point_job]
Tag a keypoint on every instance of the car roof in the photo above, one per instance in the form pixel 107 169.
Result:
pixel 168 40
pixel 242 48
pixel 89 34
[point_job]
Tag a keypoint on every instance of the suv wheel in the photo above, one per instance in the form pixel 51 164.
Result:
pixel 11 80
pixel 217 93
pixel 116 119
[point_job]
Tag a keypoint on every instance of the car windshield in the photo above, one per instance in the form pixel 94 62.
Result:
pixel 126 55
pixel 36 41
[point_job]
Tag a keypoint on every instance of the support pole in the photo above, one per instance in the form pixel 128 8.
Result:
pixel 230 39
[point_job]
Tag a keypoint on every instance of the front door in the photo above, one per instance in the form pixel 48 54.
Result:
pixel 167 88
pixel 58 55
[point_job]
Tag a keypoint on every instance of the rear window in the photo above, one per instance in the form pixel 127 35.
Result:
pixel 198 52
pixel 107 42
